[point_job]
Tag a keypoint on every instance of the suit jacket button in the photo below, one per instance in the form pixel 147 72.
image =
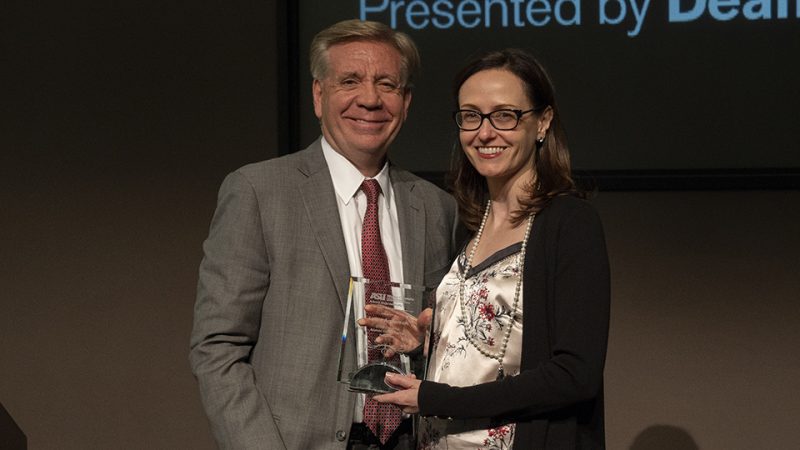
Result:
pixel 341 435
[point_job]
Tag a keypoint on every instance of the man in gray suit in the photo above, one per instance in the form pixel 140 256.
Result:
pixel 285 239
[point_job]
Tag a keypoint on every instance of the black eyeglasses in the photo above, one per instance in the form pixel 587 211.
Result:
pixel 501 119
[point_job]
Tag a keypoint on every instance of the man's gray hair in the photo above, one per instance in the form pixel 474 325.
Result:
pixel 358 30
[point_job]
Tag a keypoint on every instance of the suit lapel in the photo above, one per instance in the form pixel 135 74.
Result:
pixel 411 221
pixel 319 200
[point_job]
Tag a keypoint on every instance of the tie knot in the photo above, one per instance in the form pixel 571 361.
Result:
pixel 371 188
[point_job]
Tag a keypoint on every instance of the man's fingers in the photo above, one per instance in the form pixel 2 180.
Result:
pixel 425 317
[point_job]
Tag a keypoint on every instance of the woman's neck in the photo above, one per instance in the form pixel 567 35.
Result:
pixel 505 194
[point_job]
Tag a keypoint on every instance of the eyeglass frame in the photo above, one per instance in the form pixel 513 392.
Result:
pixel 518 112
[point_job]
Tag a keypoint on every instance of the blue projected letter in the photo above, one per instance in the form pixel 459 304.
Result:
pixel 411 14
pixel 438 11
pixel 604 18
pixel 544 9
pixel 475 11
pixel 517 18
pixel 759 9
pixel 715 8
pixel 561 17
pixel 487 5
pixel 676 15
pixel 369 9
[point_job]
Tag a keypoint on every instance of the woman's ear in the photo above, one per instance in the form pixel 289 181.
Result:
pixel 544 122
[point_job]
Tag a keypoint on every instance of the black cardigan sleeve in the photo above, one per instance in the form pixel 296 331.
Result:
pixel 566 280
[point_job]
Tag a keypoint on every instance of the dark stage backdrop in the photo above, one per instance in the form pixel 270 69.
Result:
pixel 118 121
pixel 137 87
pixel 645 87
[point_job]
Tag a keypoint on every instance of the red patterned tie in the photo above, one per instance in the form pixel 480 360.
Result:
pixel 381 418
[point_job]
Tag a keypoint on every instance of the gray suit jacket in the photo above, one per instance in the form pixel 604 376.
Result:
pixel 271 297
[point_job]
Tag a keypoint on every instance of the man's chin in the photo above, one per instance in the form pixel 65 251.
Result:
pixel 369 144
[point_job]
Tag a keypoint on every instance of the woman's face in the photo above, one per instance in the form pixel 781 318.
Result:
pixel 495 154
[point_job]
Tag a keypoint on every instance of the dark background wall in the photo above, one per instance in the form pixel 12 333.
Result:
pixel 119 121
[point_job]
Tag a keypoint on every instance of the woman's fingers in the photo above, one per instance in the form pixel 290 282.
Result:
pixel 406 397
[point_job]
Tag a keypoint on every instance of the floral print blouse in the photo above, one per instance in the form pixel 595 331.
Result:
pixel 488 301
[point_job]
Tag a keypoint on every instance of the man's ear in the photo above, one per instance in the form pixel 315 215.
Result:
pixel 407 102
pixel 316 90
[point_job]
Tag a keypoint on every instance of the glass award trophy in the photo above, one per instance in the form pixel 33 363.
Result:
pixel 373 360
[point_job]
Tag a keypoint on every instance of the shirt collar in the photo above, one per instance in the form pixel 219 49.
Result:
pixel 347 179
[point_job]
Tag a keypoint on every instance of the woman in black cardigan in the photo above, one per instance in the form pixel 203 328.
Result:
pixel 522 318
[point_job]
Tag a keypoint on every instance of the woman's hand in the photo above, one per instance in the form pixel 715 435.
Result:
pixel 407 397
pixel 400 331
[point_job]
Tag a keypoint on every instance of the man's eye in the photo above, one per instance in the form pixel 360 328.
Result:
pixel 387 86
pixel 349 82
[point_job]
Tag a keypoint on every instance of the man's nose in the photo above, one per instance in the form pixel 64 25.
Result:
pixel 369 96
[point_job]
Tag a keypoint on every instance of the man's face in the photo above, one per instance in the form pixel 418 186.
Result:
pixel 361 103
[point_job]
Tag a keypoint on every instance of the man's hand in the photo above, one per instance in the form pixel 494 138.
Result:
pixel 401 332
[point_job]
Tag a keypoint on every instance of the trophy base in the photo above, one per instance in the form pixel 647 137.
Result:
pixel 370 379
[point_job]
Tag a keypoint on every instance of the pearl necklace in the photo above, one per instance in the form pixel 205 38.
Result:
pixel 462 281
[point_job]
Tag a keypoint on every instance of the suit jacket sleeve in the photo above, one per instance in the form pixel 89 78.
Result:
pixel 233 281
pixel 578 310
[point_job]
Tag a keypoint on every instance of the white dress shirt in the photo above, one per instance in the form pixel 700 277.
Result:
pixel 352 204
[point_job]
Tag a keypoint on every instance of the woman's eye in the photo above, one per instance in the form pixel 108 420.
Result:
pixel 503 116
